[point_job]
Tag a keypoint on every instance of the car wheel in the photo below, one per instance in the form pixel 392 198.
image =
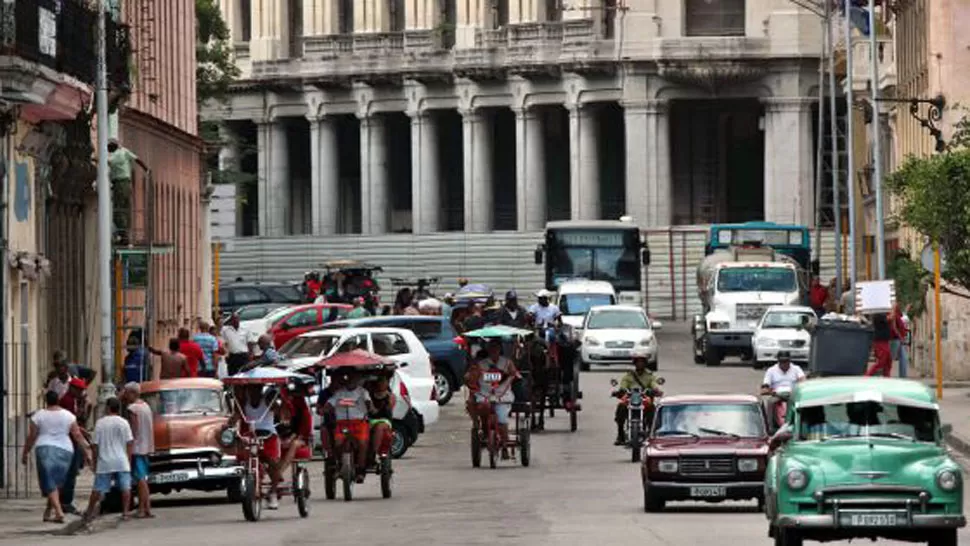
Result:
pixel 650 501
pixel 401 440
pixel 712 356
pixel 788 537
pixel 444 384
pixel 946 537
pixel 583 366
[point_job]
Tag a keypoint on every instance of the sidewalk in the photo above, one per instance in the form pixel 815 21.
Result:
pixel 22 517
pixel 955 411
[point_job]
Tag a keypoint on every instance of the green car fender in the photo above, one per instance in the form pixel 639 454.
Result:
pixel 771 486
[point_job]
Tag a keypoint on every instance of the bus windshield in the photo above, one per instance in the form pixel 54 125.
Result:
pixel 756 279
pixel 602 255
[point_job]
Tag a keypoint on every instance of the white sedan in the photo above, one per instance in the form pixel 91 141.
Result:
pixel 780 329
pixel 613 334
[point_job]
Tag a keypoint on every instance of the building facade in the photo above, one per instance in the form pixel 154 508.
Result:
pixel 384 116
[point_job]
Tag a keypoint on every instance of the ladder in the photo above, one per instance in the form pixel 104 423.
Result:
pixel 134 262
pixel 147 57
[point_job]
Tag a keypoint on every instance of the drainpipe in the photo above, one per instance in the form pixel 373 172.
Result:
pixel 4 169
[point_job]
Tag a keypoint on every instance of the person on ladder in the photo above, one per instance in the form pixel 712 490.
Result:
pixel 121 169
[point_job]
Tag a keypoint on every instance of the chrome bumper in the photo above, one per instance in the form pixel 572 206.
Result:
pixel 916 521
pixel 178 477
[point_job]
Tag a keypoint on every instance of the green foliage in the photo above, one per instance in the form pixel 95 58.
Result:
pixel 216 69
pixel 934 197
pixel 912 282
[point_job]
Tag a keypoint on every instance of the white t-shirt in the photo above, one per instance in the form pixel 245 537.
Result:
pixel 775 378
pixel 54 428
pixel 544 315
pixel 111 435
pixel 237 341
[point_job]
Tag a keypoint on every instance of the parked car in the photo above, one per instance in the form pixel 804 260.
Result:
pixel 301 319
pixel 705 448
pixel 234 295
pixel 863 457
pixel 780 329
pixel 448 360
pixel 257 311
pixel 189 418
pixel 612 334
pixel 398 344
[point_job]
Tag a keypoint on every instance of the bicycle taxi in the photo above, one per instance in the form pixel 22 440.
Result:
pixel 277 392
pixel 487 436
pixel 356 438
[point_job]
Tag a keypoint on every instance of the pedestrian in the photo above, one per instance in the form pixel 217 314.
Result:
pixel 220 355
pixel 210 346
pixel 174 363
pixel 138 360
pixel 121 163
pixel 75 400
pixel 192 351
pixel 358 311
pixel 60 376
pixel 237 345
pixel 447 304
pixel 142 429
pixel 402 300
pixel 268 357
pixel 899 333
pixel 818 294
pixel 113 444
pixel 475 320
pixel 52 434
pixel 881 336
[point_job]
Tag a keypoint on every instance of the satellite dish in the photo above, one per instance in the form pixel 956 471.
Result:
pixel 926 258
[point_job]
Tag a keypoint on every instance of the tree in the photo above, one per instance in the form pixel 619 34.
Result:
pixel 934 194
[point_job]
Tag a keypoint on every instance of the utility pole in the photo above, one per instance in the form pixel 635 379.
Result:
pixel 850 149
pixel 876 142
pixel 834 161
pixel 104 213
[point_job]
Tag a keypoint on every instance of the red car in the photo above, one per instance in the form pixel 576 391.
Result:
pixel 707 448
pixel 301 319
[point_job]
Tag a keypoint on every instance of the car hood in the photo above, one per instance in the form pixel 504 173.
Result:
pixel 783 333
pixel 256 327
pixel 865 461
pixel 619 334
pixel 676 446
pixel 188 431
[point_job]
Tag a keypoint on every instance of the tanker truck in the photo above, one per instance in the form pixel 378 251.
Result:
pixel 736 286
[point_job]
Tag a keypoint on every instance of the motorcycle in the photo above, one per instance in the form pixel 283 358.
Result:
pixel 640 408
pixel 778 406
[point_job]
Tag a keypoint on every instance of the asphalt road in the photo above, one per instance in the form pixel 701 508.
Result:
pixel 580 490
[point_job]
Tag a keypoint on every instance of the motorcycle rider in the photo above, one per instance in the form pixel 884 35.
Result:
pixel 784 374
pixel 640 377
pixel 545 315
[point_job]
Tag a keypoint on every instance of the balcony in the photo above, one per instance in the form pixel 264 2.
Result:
pixel 534 49
pixel 861 65
pixel 61 36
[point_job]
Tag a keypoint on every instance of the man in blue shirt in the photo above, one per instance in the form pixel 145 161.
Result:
pixel 138 359
pixel 209 345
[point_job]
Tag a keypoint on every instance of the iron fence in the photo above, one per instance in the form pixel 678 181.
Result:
pixel 17 401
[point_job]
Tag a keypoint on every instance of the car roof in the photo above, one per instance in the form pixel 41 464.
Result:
pixel 360 330
pixel 393 318
pixel 237 284
pixel 304 306
pixel 790 308
pixel 836 390
pixel 590 224
pixel 180 383
pixel 597 308
pixel 685 399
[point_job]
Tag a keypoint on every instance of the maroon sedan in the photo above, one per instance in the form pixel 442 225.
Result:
pixel 708 448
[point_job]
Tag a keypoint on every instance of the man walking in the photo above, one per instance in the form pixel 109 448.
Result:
pixel 112 455
pixel 237 345
pixel 210 346
pixel 192 351
pixel 140 421
pixel 75 400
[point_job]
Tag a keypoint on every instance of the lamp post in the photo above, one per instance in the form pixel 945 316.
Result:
pixel 106 389
pixel 876 142
pixel 850 149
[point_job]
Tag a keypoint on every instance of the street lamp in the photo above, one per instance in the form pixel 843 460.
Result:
pixel 934 114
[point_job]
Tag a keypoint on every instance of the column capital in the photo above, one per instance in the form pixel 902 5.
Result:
pixel 788 104
pixel 525 113
pixel 470 115
pixel 653 106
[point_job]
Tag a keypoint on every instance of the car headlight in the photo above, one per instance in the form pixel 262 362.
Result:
pixel 227 437
pixel 747 465
pixel 797 479
pixel 646 341
pixel 719 325
pixel 948 480
pixel 767 343
pixel 591 341
pixel 667 467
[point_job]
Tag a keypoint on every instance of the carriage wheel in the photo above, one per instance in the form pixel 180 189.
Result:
pixel 301 490
pixel 525 446
pixel 492 448
pixel 330 480
pixel 386 472
pixel 347 475
pixel 251 505
pixel 573 420
pixel 476 448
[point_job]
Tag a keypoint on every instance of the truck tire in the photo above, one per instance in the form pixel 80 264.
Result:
pixel 712 356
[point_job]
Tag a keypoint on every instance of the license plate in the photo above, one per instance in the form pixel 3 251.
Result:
pixel 872 520
pixel 172 477
pixel 708 492
pixel 619 352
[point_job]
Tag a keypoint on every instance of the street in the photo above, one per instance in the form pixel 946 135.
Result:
pixel 580 489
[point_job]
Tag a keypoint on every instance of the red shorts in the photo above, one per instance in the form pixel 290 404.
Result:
pixel 359 429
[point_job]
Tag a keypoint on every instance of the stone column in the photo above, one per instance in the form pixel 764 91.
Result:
pixel 273 178
pixel 425 180
pixel 584 164
pixel 324 176
pixel 648 184
pixel 530 171
pixel 479 187
pixel 378 191
pixel 789 162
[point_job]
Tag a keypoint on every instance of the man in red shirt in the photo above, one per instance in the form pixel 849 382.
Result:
pixel 75 400
pixel 817 296
pixel 192 351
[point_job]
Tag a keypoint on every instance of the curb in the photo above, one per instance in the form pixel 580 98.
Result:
pixel 958 444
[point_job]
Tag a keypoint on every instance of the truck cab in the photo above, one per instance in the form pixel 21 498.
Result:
pixel 576 297
pixel 735 296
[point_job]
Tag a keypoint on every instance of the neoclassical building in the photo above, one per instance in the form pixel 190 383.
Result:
pixel 422 116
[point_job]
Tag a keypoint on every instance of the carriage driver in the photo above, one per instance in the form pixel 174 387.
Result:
pixel 490 380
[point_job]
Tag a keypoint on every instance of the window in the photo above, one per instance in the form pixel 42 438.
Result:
pixel 308 317
pixel 224 298
pixel 756 279
pixel 867 419
pixel 424 329
pixel 300 347
pixel 389 344
pixel 395 12
pixel 707 420
pixel 617 320
pixel 714 18
pixel 185 401
pixel 786 319
pixel 245 296
pixel 345 17
pixel 245 20
pixel 354 342
pixel 285 294
pixel 580 304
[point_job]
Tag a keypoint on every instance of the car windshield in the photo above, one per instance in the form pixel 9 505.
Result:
pixel 275 315
pixel 743 420
pixel 580 304
pixel 756 279
pixel 786 319
pixel 185 401
pixel 300 347
pixel 621 320
pixel 868 419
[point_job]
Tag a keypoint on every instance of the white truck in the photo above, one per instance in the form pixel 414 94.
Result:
pixel 736 286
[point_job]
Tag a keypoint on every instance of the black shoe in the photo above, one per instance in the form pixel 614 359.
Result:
pixel 71 509
pixel 620 441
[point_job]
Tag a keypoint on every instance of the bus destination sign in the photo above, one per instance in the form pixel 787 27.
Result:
pixel 590 238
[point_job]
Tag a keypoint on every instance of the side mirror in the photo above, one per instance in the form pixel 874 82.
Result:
pixel 645 256
pixel 657 325
pixel 538 256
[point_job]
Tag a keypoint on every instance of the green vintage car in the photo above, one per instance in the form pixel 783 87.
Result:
pixel 862 457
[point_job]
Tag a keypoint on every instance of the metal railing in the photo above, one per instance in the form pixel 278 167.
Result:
pixel 17 401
